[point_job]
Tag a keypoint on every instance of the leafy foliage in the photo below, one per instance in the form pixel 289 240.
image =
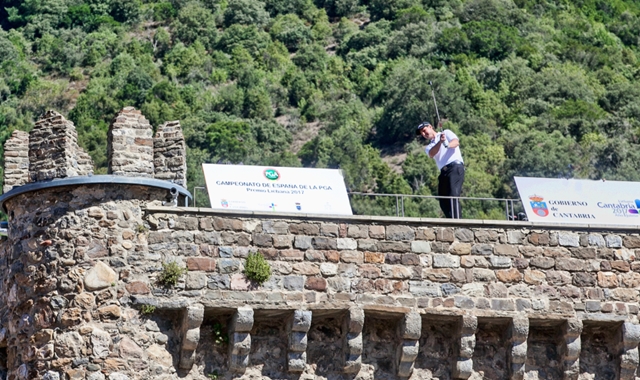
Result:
pixel 256 268
pixel 170 274
pixel 532 87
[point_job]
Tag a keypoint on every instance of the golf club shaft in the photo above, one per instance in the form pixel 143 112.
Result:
pixel 435 104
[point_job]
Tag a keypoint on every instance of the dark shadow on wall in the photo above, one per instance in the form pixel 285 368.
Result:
pixel 544 347
pixel 438 346
pixel 490 354
pixel 380 341
pixel 599 356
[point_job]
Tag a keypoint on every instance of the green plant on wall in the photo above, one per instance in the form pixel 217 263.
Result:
pixel 257 268
pixel 220 336
pixel 147 309
pixel 171 273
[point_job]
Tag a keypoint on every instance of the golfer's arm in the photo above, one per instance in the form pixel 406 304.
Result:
pixel 433 151
pixel 454 143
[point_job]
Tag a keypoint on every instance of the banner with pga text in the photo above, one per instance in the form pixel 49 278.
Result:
pixel 580 201
pixel 271 188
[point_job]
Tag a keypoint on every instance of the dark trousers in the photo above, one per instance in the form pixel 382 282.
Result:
pixel 450 185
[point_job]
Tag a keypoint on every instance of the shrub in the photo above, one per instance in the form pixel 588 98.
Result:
pixel 171 273
pixel 147 309
pixel 257 268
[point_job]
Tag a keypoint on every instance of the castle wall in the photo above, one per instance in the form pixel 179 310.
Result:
pixel 383 297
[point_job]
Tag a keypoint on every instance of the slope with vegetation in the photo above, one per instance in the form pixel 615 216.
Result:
pixel 533 88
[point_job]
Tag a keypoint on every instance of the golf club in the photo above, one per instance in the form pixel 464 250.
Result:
pixel 435 104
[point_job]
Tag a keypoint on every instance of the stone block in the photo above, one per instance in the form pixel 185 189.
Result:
pixel 571 265
pixel 613 241
pixel 328 269
pixel 347 243
pixel 499 261
pixel 509 275
pixel 506 250
pixel 446 261
pixel 424 289
pixel 568 239
pixel 411 326
pixel 631 241
pixel 515 237
pixel 226 266
pixel 482 249
pixel 319 242
pixel 298 341
pixel 293 283
pixel 374 257
pixel 100 276
pixel 240 343
pixel 242 320
pixel 607 280
pixel 542 262
pixel 425 234
pixel 316 283
pixel 397 233
pixel 304 229
pixel 282 241
pixel 419 246
pixel 206 264
pixel 356 257
pixel 458 248
pixel 584 279
pixel 534 277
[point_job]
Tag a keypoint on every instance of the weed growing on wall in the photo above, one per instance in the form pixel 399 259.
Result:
pixel 147 309
pixel 171 273
pixel 257 268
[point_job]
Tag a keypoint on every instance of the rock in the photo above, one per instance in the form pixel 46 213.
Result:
pixel 69 344
pixel 100 276
pixel 110 312
pixel 100 343
pixel 130 349
pixel 96 376
pixel 240 282
pixel 458 248
pixel 160 355
pixel 118 376
pixel 51 375
pixel 137 287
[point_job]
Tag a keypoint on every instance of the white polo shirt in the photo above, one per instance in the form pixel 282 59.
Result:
pixel 445 156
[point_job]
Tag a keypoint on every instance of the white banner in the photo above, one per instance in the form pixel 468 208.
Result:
pixel 580 201
pixel 270 188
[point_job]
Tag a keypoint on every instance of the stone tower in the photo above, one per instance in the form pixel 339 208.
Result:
pixel 68 232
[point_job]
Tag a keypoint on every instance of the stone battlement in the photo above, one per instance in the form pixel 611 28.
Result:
pixel 51 151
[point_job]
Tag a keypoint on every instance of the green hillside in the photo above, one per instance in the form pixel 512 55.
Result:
pixel 533 88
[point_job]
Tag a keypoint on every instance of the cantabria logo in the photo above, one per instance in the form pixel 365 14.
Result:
pixel 539 207
pixel 271 174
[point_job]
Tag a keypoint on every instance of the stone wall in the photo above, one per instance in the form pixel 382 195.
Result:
pixel 130 144
pixel 16 160
pixel 54 150
pixel 348 298
pixel 169 154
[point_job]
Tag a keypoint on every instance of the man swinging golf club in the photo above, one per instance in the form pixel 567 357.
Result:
pixel 444 148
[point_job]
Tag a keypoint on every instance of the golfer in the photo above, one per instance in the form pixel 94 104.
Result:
pixel 444 148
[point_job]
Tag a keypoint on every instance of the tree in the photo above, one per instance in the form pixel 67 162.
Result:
pixel 246 12
pixel 195 22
